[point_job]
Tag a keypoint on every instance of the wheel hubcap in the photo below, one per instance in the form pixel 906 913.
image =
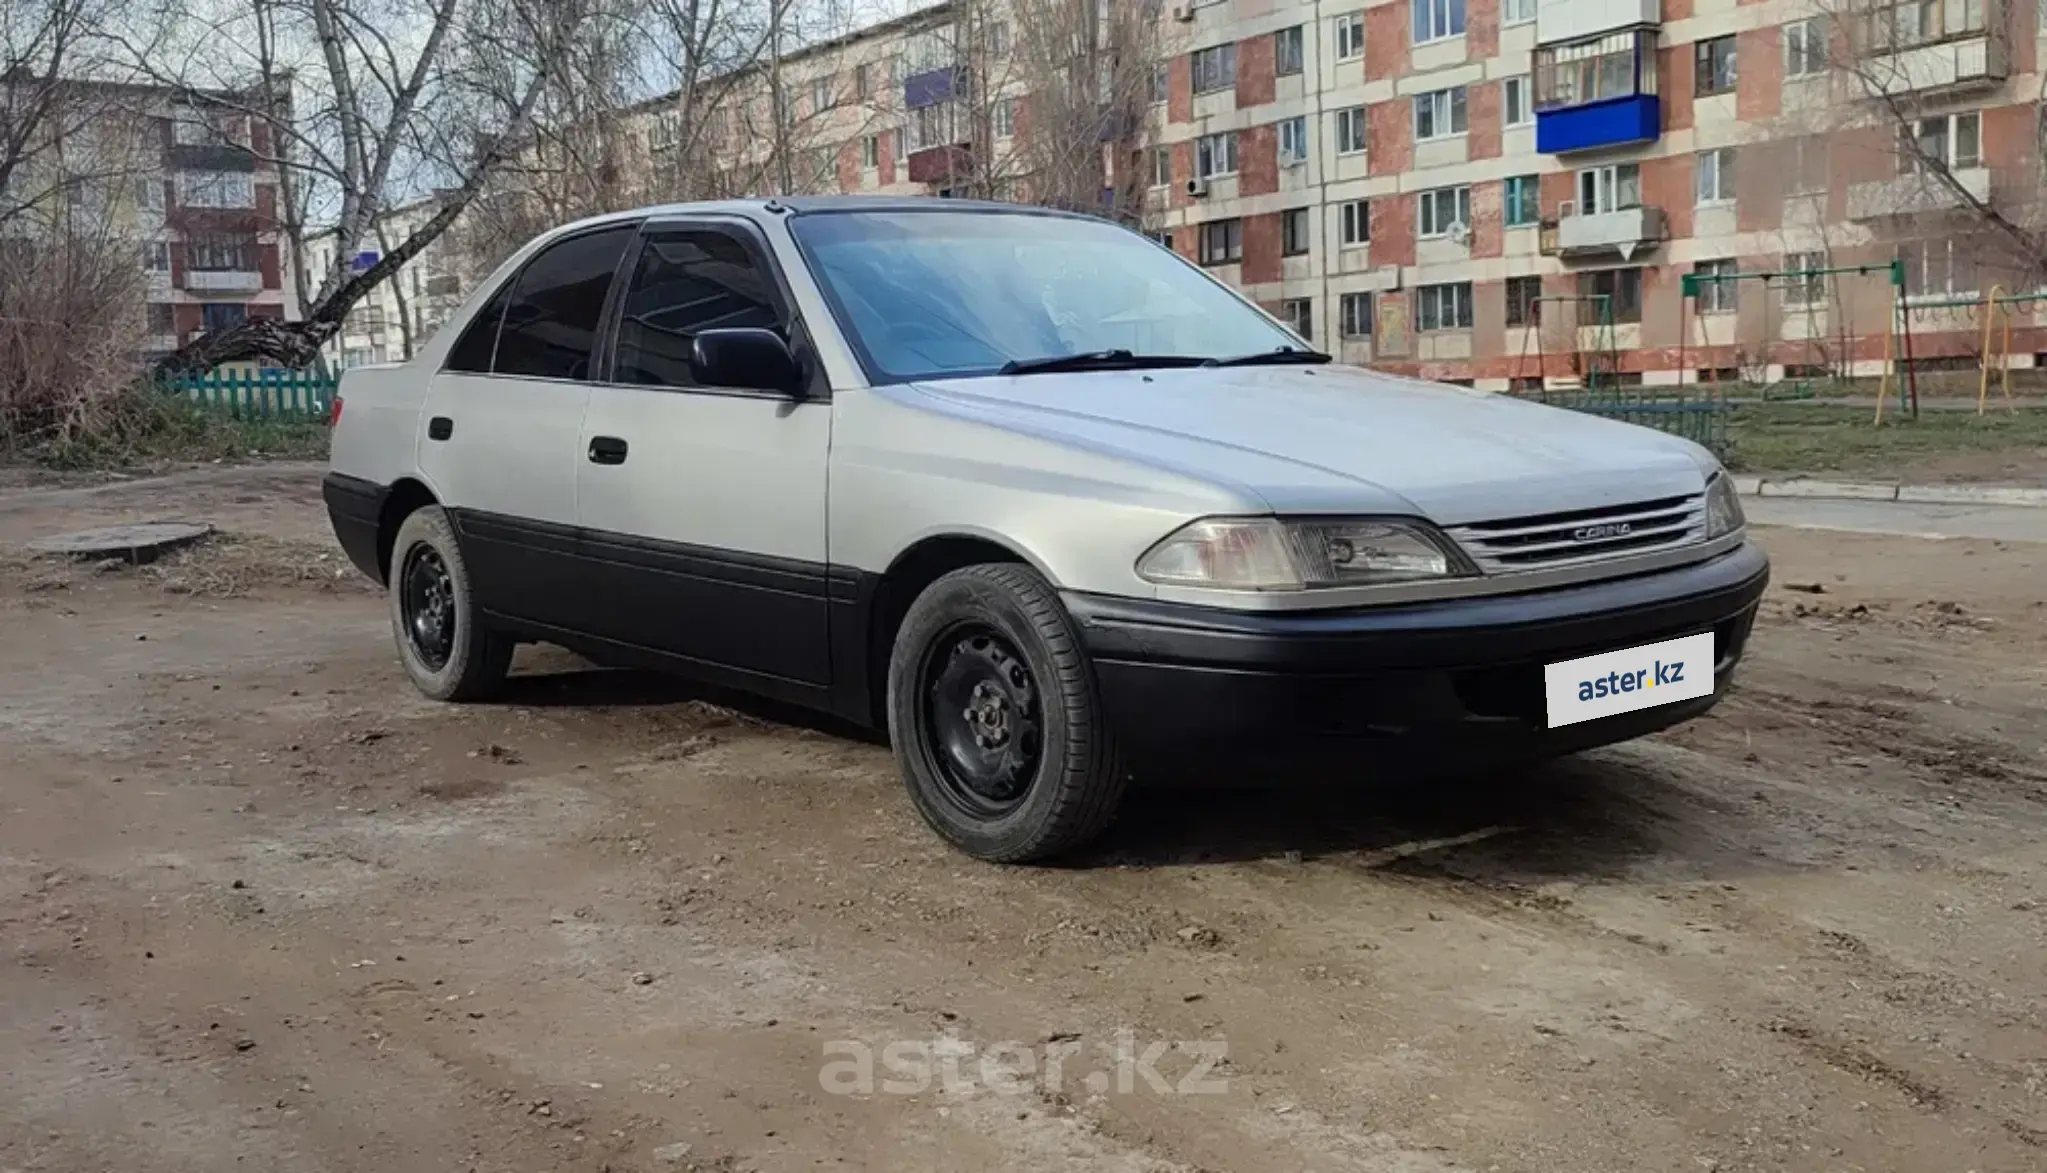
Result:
pixel 427 604
pixel 982 710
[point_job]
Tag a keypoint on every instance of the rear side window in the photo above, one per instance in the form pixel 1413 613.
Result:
pixel 551 323
pixel 685 282
pixel 472 352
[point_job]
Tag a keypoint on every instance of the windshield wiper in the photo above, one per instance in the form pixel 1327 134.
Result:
pixel 1097 360
pixel 1284 356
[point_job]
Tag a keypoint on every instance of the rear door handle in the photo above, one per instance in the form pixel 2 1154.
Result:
pixel 440 428
pixel 607 450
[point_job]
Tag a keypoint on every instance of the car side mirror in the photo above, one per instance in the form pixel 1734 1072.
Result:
pixel 745 356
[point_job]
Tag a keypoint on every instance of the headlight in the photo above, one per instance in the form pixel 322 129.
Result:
pixel 1723 507
pixel 1271 554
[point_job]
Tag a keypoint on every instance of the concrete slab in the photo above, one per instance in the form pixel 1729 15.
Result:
pixel 138 543
pixel 1836 490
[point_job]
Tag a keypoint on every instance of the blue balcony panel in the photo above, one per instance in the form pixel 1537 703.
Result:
pixel 1611 123
pixel 930 88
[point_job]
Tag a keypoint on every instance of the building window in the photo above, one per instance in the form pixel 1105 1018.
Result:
pixel 870 152
pixel 1286 51
pixel 1713 66
pixel 163 318
pixel 1215 155
pixel 1443 307
pixel 221 254
pixel 149 194
pixel 211 127
pixel 1517 11
pixel 1523 202
pixel 1613 65
pixel 1215 68
pixel 1355 223
pixel 1355 310
pixel 1299 315
pixel 216 189
pixel 1350 130
pixel 1003 116
pixel 1293 141
pixel 1515 105
pixel 821 98
pixel 1808 164
pixel 897 140
pixel 863 81
pixel 1524 301
pixel 1222 242
pixel 1161 83
pixel 1903 24
pixel 1805 48
pixel 1713 177
pixel 1437 19
pixel 1954 141
pixel 1613 188
pixel 1161 166
pixel 222 315
pixel 1350 35
pixel 1717 294
pixel 1809 287
pixel 156 256
pixel 1620 289
pixel 1293 232
pixel 997 38
pixel 1439 113
pixel 1938 268
pixel 1439 209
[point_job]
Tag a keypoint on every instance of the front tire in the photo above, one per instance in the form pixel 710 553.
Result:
pixel 995 719
pixel 442 640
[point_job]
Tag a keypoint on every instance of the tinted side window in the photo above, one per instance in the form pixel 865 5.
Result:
pixel 551 323
pixel 479 341
pixel 685 282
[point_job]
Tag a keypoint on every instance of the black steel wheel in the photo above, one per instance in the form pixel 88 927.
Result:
pixel 446 647
pixel 993 712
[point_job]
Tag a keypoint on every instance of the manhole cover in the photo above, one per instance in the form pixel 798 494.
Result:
pixel 139 543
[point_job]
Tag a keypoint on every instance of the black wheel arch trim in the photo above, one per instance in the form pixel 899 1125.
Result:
pixel 1449 633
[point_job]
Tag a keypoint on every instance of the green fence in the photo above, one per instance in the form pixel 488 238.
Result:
pixel 1699 416
pixel 283 395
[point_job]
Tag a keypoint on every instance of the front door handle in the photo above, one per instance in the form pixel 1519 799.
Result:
pixel 440 428
pixel 607 450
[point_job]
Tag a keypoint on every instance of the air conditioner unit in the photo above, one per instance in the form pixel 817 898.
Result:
pixel 1198 186
pixel 1182 12
pixel 1292 158
pixel 1567 209
pixel 1458 231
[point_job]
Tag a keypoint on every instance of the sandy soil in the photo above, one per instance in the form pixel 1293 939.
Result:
pixel 263 907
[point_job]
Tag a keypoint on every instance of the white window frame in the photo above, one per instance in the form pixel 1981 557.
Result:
pixel 1302 217
pixel 1951 137
pixel 1354 224
pixel 1206 165
pixel 1353 133
pixel 1713 178
pixel 1293 141
pixel 1717 297
pixel 1297 38
pixel 1443 307
pixel 1810 289
pixel 1513 12
pixel 870 152
pixel 1002 118
pixel 156 256
pixel 1347 33
pixel 1225 52
pixel 1348 307
pixel 1519 84
pixel 1161 167
pixel 149 193
pixel 1448 113
pixel 1805 48
pixel 823 94
pixel 1431 220
pixel 216 189
pixel 1299 315
pixel 1948 246
pixel 1615 187
pixel 1436 20
pixel 1507 201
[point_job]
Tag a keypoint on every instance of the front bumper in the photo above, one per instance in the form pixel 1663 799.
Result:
pixel 1428 687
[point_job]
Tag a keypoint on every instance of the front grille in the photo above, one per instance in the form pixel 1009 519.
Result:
pixel 1583 535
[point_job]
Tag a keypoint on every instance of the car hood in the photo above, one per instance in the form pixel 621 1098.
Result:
pixel 1335 438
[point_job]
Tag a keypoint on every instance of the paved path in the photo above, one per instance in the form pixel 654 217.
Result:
pixel 2005 523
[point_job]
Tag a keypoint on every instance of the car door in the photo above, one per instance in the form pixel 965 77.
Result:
pixel 705 506
pixel 500 430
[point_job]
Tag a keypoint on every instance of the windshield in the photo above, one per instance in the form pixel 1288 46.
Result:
pixel 940 294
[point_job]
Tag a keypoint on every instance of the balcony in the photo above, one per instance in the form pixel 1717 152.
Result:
pixel 932 87
pixel 1621 233
pixel 1613 123
pixel 1916 195
pixel 1947 68
pixel 940 164
pixel 1573 20
pixel 223 281
pixel 1597 92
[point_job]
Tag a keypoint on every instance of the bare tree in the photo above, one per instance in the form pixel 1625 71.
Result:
pixel 367 103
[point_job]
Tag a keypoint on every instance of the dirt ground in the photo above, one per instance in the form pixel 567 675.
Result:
pixel 262 907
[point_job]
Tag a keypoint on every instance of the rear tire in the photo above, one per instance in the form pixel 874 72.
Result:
pixel 995 719
pixel 442 640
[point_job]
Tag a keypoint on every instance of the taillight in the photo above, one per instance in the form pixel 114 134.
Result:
pixel 334 412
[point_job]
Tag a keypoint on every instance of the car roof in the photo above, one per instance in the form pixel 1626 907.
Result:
pixel 764 208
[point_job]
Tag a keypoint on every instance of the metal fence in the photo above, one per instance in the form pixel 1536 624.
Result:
pixel 1699 416
pixel 288 395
